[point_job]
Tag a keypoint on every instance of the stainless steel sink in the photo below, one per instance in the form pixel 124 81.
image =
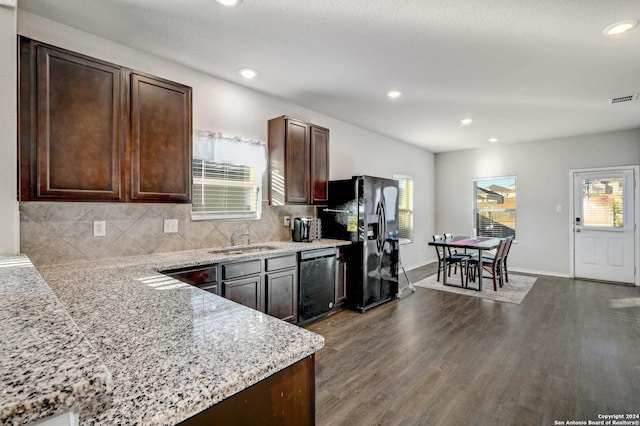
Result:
pixel 243 250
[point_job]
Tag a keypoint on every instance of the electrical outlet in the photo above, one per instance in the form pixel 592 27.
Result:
pixel 99 228
pixel 286 221
pixel 170 226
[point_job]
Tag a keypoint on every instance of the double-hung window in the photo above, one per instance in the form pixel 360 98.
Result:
pixel 405 206
pixel 227 177
pixel 495 206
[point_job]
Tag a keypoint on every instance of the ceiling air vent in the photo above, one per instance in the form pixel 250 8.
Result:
pixel 625 98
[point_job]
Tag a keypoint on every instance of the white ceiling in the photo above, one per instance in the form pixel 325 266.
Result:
pixel 524 70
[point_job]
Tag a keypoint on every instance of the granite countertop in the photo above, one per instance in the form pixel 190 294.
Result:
pixel 173 350
pixel 47 365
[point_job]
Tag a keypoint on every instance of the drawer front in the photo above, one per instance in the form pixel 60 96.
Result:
pixel 197 276
pixel 241 269
pixel 281 262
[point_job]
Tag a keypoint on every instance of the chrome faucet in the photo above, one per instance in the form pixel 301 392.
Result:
pixel 244 228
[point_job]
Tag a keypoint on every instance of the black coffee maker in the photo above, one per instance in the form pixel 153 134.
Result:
pixel 301 232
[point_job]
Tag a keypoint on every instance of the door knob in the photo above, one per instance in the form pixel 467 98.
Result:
pixel 578 230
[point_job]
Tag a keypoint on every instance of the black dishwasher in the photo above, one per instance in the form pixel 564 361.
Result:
pixel 317 283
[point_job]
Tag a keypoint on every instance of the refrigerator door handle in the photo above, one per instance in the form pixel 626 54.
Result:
pixel 384 221
pixel 380 214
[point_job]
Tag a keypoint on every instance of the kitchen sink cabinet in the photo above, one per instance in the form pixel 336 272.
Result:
pixel 242 283
pixel 247 291
pixel 268 283
pixel 298 162
pixel 94 131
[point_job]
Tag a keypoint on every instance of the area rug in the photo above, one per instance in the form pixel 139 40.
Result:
pixel 513 291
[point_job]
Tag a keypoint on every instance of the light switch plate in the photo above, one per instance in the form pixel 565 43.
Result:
pixel 99 228
pixel 170 226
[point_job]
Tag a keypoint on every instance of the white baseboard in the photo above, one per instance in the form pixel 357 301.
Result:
pixel 539 272
pixel 515 270
pixel 419 265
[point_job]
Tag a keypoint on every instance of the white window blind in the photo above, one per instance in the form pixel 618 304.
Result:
pixel 495 206
pixel 227 177
pixel 405 206
pixel 603 202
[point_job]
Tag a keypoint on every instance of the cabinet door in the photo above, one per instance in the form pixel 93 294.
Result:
pixel 70 119
pixel 282 294
pixel 319 165
pixel 297 157
pixel 160 168
pixel 246 291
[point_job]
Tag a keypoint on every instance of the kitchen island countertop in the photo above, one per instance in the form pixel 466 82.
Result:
pixel 47 365
pixel 173 350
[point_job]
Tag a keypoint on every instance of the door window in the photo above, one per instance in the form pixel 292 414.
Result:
pixel 603 202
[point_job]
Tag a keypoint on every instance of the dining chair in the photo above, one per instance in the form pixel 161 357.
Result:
pixel 508 241
pixel 507 248
pixel 446 261
pixel 475 266
pixel 449 236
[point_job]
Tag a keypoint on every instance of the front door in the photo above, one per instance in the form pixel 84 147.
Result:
pixel 604 225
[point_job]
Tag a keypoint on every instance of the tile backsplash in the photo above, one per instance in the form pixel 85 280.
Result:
pixel 57 232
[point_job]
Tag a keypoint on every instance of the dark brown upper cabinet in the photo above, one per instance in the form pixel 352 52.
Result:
pixel 90 130
pixel 298 162
pixel 160 140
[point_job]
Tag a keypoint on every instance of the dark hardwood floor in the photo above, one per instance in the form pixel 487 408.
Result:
pixel 437 358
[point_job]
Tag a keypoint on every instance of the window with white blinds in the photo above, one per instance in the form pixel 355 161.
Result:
pixel 405 206
pixel 227 177
pixel 495 206
pixel 603 203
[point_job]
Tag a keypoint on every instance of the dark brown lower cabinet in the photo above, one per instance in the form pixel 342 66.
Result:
pixel 247 291
pixel 242 283
pixel 281 291
pixel 205 278
pixel 285 398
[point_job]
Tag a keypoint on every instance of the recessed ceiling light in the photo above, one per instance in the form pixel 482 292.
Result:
pixel 230 2
pixel 493 140
pixel 394 93
pixel 466 121
pixel 247 73
pixel 620 27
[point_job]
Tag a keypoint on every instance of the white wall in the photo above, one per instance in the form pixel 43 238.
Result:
pixel 9 231
pixel 542 170
pixel 237 111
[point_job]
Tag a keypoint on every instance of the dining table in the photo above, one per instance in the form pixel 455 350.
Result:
pixel 468 243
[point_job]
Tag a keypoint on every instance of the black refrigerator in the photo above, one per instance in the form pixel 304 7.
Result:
pixel 364 210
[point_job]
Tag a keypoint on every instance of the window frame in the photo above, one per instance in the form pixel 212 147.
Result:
pixel 257 186
pixel 411 210
pixel 475 210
